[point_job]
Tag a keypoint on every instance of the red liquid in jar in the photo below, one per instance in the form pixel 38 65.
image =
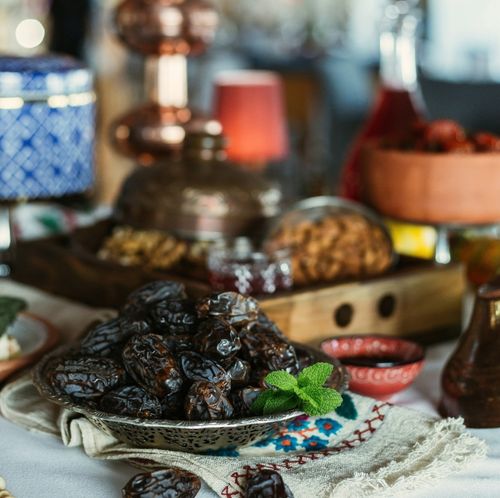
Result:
pixel 394 112
pixel 253 285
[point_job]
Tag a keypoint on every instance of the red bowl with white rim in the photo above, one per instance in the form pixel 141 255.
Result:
pixel 379 366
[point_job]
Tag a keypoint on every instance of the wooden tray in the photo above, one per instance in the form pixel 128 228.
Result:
pixel 417 298
pixel 423 301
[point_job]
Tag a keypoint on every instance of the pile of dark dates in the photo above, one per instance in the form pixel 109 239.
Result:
pixel 179 483
pixel 168 357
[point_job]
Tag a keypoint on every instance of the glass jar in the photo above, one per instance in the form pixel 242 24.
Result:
pixel 238 267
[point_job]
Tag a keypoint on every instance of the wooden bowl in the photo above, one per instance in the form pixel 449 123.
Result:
pixel 432 188
pixel 35 335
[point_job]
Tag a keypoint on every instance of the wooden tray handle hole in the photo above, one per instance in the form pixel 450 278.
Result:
pixel 343 315
pixel 387 305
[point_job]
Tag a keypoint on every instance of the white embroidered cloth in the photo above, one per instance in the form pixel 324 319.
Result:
pixel 373 449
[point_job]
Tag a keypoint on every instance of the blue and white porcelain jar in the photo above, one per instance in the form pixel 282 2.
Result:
pixel 47 127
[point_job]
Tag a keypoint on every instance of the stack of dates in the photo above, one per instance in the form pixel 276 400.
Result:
pixel 166 356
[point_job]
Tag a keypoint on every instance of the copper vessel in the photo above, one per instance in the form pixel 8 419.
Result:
pixel 471 378
pixel 167 27
pixel 199 196
pixel 166 32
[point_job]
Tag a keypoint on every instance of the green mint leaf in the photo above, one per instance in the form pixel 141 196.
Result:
pixel 325 400
pixel 306 392
pixel 9 308
pixel 258 405
pixel 281 402
pixel 282 380
pixel 306 400
pixel 315 375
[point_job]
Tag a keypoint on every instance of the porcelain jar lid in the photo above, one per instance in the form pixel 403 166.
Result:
pixel 39 77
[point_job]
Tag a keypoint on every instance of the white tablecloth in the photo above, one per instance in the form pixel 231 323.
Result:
pixel 37 466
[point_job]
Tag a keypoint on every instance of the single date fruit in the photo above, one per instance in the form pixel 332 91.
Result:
pixel 179 343
pixel 84 378
pixel 102 339
pixel 239 371
pixel 150 363
pixel 205 401
pixel 134 321
pixel 242 399
pixel 172 406
pixel 164 483
pixel 173 317
pixel 155 292
pixel 268 351
pixel 267 484
pixel 306 359
pixel 196 367
pixel 264 322
pixel 132 401
pixel 236 309
pixel 217 339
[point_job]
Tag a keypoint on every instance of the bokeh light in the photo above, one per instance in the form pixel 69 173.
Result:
pixel 30 33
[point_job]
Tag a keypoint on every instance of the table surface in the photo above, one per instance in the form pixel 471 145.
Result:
pixel 38 465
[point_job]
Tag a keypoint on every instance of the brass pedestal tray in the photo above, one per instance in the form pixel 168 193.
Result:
pixel 415 299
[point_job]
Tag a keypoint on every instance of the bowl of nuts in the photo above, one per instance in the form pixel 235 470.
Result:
pixel 183 375
pixel 332 239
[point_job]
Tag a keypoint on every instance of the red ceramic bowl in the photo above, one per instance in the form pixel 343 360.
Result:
pixel 379 366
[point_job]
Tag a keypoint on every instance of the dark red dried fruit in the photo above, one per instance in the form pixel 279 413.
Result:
pixel 236 309
pixel 102 339
pixel 150 363
pixel 132 401
pixel 155 292
pixel 267 484
pixel 205 401
pixel 134 322
pixel 486 142
pixel 174 317
pixel 457 146
pixel 268 351
pixel 84 378
pixel 164 483
pixel 266 323
pixel 239 371
pixel 218 340
pixel 443 130
pixel 179 343
pixel 306 359
pixel 172 406
pixel 242 400
pixel 196 367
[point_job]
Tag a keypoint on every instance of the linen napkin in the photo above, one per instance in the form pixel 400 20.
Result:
pixel 365 448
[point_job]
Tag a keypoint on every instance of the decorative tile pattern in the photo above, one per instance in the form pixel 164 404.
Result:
pixel 46 151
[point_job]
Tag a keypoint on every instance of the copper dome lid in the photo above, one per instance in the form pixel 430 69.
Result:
pixel 199 196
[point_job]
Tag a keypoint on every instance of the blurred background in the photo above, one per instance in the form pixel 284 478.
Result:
pixel 325 50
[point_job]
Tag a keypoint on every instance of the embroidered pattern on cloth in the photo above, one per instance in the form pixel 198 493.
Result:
pixel 304 433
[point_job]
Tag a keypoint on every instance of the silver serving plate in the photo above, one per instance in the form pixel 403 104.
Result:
pixel 182 435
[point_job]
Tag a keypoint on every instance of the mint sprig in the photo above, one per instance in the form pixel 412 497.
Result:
pixel 305 392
